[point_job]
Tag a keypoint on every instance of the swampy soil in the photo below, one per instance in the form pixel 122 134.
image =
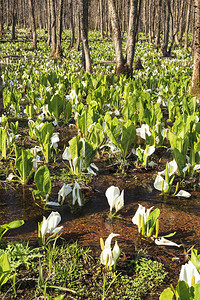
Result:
pixel 90 222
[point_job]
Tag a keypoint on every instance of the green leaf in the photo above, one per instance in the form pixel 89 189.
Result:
pixel 4 269
pixel 196 288
pixel 183 290
pixel 89 154
pixel 195 259
pixel 167 294
pixel 43 180
pixel 75 147
pixel 56 106
pixel 13 224
pixel 128 136
pixel 24 165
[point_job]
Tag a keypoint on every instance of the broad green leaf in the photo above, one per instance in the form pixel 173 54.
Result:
pixel 13 224
pixel 128 136
pixel 183 290
pixel 56 106
pixel 195 259
pixel 4 269
pixel 75 147
pixel 167 294
pixel 24 165
pixel 196 288
pixel 43 180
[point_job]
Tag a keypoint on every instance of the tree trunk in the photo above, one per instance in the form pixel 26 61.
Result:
pixel 53 28
pixel 83 8
pixel 59 35
pixel 32 21
pixel 1 93
pixel 158 23
pixel 13 19
pixel 101 17
pixel 196 66
pixel 49 22
pixel 71 25
pixel 132 31
pixel 116 35
pixel 166 37
pixel 187 24
pixel 1 17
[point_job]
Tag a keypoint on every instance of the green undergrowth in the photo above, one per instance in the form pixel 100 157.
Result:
pixel 71 271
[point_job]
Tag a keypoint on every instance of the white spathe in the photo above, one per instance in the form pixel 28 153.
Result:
pixel 49 225
pixel 143 131
pixel 188 272
pixel 183 193
pixel 64 192
pixel 115 199
pixel 140 214
pixel 162 241
pixel 172 168
pixel 76 194
pixel 160 184
pixel 109 257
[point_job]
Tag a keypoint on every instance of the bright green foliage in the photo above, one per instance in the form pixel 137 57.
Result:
pixel 12 225
pixel 43 181
pixel 4 269
pixel 24 165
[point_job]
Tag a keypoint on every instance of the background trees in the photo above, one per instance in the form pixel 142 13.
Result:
pixel 165 23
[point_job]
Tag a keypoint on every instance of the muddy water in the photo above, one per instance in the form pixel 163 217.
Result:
pixel 89 223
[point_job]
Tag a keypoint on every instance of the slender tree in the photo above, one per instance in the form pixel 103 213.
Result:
pixel 53 27
pixel 196 46
pixel 32 21
pixel 59 34
pixel 83 8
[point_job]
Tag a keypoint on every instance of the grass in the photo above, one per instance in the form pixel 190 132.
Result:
pixel 68 269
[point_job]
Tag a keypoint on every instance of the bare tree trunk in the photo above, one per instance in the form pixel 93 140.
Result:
pixel 150 21
pixel 71 24
pixel 196 66
pixel 53 28
pixel 13 19
pixel 7 15
pixel 1 17
pixel 187 24
pixel 1 93
pixel 101 17
pixel 158 23
pixel 33 27
pixel 78 29
pixel 116 35
pixel 83 7
pixel 132 31
pixel 59 36
pixel 164 50
pixel 48 22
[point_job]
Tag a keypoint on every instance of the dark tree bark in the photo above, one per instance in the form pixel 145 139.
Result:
pixel 53 28
pixel 59 35
pixel 187 24
pixel 124 66
pixel 13 19
pixel 101 18
pixel 1 93
pixel 196 46
pixel 72 39
pixel 1 16
pixel 83 8
pixel 159 8
pixel 49 22
pixel 32 21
